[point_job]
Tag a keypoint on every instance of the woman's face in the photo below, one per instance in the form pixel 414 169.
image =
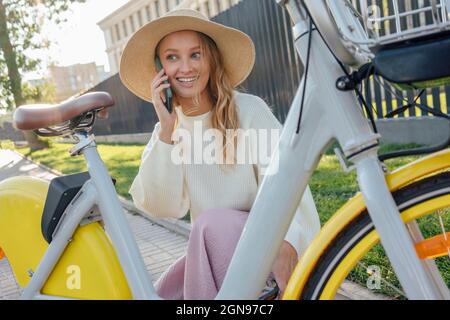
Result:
pixel 187 69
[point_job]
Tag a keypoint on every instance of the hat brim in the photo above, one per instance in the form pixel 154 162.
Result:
pixel 137 64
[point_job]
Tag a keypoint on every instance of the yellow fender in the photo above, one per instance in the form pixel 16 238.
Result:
pixel 397 179
pixel 89 267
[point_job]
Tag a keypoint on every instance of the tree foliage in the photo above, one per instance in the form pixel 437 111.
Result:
pixel 43 92
pixel 23 21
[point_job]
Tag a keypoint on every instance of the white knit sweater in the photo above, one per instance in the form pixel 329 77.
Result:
pixel 164 188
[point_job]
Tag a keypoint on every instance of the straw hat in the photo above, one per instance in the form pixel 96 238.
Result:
pixel 137 65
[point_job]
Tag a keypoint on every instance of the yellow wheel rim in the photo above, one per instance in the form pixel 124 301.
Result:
pixel 363 246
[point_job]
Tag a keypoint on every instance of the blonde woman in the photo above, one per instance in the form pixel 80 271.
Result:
pixel 203 63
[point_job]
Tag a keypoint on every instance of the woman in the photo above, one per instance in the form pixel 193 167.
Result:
pixel 203 62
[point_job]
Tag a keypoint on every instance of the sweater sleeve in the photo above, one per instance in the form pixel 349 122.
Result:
pixel 159 189
pixel 305 224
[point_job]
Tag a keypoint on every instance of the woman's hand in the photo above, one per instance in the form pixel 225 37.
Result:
pixel 284 266
pixel 166 119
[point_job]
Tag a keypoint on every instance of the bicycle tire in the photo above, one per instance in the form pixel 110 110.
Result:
pixel 408 197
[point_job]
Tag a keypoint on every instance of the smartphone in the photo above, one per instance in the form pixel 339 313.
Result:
pixel 167 92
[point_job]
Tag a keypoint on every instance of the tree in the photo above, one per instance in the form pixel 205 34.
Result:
pixel 20 26
pixel 43 92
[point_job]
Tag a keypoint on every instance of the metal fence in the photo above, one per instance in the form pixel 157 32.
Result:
pixel 385 99
pixel 130 114
pixel 276 73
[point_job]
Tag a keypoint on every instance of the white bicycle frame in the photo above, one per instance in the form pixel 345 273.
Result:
pixel 98 191
pixel 328 115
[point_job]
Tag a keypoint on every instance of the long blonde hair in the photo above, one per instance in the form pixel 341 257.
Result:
pixel 224 112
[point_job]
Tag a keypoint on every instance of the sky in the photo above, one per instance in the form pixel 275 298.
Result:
pixel 80 39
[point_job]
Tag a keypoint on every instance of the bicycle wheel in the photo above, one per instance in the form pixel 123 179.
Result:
pixel 425 206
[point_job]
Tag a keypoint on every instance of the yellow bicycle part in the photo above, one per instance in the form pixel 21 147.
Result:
pixel 397 179
pixel 434 247
pixel 88 268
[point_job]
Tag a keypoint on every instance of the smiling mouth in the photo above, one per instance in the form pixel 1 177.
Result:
pixel 187 80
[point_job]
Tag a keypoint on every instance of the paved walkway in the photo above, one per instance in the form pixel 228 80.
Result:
pixel 159 246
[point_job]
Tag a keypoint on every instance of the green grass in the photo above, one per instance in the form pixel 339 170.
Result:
pixel 122 161
pixel 332 187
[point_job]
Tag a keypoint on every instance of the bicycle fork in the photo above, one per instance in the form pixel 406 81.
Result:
pixel 394 236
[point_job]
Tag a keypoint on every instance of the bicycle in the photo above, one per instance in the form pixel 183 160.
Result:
pixel 72 233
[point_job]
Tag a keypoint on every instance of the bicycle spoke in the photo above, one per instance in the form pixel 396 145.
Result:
pixel 441 222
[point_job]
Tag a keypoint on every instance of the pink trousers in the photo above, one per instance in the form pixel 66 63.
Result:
pixel 200 272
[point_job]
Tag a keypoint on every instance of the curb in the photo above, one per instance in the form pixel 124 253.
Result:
pixel 178 226
pixel 42 166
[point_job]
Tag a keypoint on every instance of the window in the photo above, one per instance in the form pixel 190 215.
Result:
pixel 157 8
pixel 208 12
pixel 110 36
pixel 139 15
pixel 124 26
pixel 167 5
pixel 117 32
pixel 147 11
pixel 73 82
pixel 132 24
pixel 117 60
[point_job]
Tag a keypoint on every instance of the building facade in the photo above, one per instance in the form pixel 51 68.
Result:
pixel 74 79
pixel 122 23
